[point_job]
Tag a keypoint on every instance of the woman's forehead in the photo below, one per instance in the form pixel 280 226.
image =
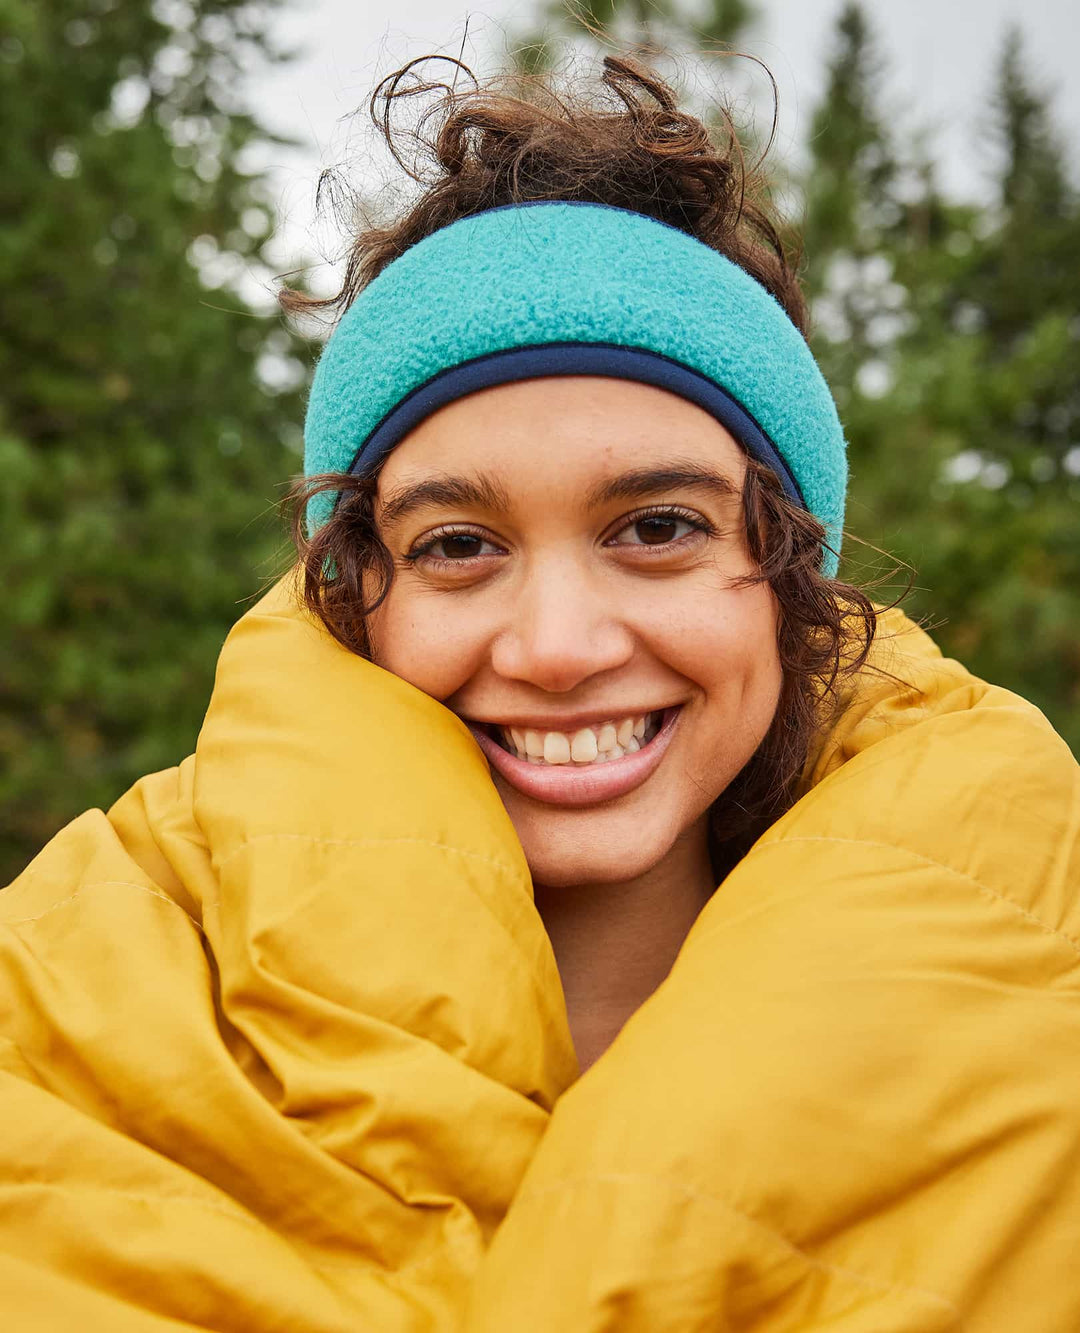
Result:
pixel 576 438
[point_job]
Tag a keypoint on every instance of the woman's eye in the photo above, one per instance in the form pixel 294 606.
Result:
pixel 456 546
pixel 655 530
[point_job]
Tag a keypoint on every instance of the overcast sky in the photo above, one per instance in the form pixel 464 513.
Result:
pixel 941 55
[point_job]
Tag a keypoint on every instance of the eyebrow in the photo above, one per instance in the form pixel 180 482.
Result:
pixel 484 493
pixel 464 492
pixel 643 482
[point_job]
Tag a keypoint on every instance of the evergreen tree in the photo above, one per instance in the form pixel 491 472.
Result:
pixel 949 334
pixel 852 156
pixel 147 417
pixel 1033 178
pixel 1006 564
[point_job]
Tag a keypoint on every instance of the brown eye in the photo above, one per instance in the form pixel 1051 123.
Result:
pixel 458 546
pixel 656 530
pixel 452 548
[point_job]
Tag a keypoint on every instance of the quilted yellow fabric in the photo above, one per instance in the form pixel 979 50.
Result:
pixel 283 1045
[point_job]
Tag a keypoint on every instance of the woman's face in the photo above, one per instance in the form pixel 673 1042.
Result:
pixel 567 553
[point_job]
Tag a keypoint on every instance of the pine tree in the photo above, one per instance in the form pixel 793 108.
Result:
pixel 647 26
pixel 1034 178
pixel 852 156
pixel 1006 560
pixel 147 416
pixel 949 334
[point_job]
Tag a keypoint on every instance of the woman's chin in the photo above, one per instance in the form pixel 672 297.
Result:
pixel 568 853
pixel 611 843
pixel 567 873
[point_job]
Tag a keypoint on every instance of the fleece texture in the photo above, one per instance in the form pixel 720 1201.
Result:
pixel 558 273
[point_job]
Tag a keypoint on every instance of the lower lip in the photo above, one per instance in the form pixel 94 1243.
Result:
pixel 580 784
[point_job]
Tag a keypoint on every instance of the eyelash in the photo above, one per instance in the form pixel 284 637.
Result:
pixel 695 520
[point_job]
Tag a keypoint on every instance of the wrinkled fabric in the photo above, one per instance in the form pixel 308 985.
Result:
pixel 283 1044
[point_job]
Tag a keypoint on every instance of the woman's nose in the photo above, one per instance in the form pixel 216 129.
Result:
pixel 561 630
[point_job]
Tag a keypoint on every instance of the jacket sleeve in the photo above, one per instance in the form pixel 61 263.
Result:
pixel 853 1105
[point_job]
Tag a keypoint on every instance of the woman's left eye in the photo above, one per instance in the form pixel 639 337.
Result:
pixel 655 530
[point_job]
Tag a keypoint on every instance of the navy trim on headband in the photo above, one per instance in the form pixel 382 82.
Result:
pixel 602 359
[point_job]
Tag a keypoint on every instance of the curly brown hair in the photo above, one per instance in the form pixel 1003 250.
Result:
pixel 626 144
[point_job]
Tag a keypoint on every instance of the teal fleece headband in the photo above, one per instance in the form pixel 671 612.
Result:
pixel 574 289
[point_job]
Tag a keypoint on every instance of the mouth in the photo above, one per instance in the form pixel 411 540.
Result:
pixel 597 744
pixel 587 765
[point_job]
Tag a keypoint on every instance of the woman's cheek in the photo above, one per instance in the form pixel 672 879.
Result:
pixel 720 636
pixel 734 658
pixel 428 645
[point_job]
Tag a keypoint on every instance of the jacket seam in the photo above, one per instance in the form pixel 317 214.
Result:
pixel 101 884
pixel 698 1196
pixel 370 842
pixel 1028 915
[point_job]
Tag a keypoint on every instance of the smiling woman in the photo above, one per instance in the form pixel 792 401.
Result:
pixel 583 912
pixel 588 490
pixel 582 593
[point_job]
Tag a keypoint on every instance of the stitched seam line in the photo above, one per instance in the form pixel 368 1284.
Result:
pixel 371 842
pixel 100 884
pixel 985 889
pixel 633 1178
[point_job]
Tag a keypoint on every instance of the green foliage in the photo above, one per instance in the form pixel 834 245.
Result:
pixel 139 445
pixel 951 337
pixel 853 156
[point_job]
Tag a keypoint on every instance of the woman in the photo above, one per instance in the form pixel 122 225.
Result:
pixel 298 1032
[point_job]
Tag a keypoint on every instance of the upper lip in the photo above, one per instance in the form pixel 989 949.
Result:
pixel 568 722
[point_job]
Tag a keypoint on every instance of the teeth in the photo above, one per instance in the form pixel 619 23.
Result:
pixel 584 747
pixel 556 748
pixel 588 745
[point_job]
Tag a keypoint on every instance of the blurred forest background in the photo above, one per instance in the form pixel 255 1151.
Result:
pixel 149 416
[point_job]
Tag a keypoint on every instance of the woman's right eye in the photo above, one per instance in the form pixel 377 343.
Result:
pixel 453 548
pixel 458 546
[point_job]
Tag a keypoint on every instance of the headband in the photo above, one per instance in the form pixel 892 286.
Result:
pixel 559 288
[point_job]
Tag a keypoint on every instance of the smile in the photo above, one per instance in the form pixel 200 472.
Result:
pixel 584 766
pixel 587 745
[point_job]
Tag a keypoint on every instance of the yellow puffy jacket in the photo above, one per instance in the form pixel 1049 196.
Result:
pixel 283 1045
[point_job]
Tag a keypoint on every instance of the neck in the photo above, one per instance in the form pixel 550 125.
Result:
pixel 615 943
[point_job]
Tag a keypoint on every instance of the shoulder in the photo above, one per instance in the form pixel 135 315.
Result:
pixel 929 764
